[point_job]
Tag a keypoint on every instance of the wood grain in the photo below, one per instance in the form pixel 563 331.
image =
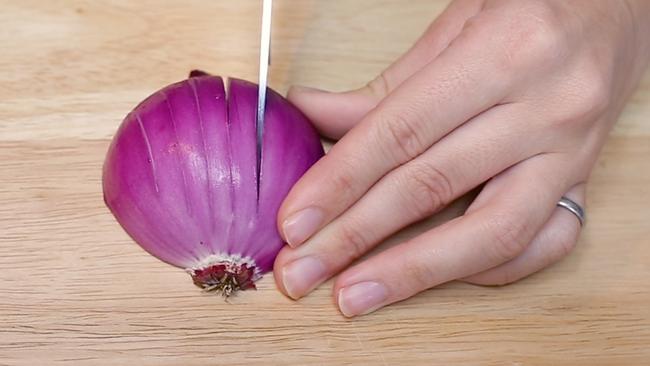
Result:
pixel 75 290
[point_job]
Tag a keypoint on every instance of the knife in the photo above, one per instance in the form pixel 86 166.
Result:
pixel 265 60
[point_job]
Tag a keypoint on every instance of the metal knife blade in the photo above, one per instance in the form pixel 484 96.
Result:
pixel 265 60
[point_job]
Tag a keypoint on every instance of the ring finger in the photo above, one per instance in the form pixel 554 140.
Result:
pixel 554 241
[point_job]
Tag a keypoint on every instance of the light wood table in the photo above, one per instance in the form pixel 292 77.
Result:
pixel 75 289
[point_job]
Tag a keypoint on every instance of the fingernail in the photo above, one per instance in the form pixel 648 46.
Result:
pixel 301 225
pixel 303 275
pixel 362 298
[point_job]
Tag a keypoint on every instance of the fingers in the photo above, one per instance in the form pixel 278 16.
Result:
pixel 475 242
pixel 554 241
pixel 334 114
pixel 473 153
pixel 456 86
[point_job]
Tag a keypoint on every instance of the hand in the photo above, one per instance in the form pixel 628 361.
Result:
pixel 520 94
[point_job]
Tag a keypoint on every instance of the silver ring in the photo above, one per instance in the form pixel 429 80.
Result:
pixel 574 208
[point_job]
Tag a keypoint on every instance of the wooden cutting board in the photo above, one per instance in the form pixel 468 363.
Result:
pixel 74 289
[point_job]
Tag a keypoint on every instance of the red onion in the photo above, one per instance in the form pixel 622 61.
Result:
pixel 180 177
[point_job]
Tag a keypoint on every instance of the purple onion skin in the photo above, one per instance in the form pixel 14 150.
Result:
pixel 180 177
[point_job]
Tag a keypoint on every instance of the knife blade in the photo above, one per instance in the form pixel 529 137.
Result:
pixel 265 61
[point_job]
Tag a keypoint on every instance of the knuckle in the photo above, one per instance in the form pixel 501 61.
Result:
pixel 565 239
pixel 594 94
pixel 379 86
pixel 342 180
pixel 419 275
pixel 402 136
pixel 474 26
pixel 509 236
pixel 534 36
pixel 429 188
pixel 525 37
pixel 588 98
pixel 353 241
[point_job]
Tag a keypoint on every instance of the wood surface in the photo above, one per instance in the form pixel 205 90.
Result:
pixel 74 289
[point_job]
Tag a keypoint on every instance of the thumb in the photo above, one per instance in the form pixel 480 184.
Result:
pixel 334 114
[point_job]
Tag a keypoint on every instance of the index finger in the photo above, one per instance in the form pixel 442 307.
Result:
pixel 464 80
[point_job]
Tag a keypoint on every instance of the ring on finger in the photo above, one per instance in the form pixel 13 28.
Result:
pixel 574 208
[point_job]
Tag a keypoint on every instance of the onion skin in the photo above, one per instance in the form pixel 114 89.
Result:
pixel 180 177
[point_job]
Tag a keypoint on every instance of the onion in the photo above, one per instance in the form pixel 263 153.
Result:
pixel 180 177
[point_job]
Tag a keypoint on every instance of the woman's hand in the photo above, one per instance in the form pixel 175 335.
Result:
pixel 520 94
